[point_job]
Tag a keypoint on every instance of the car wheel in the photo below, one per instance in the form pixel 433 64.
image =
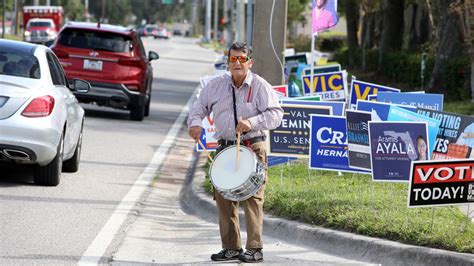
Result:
pixel 72 165
pixel 137 112
pixel 50 174
pixel 147 106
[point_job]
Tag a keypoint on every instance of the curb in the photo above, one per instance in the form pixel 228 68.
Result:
pixel 195 201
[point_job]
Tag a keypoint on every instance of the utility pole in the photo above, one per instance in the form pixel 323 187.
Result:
pixel 194 18
pixel 249 23
pixel 102 16
pixel 207 22
pixel 230 24
pixel 269 42
pixel 240 31
pixel 15 22
pixel 216 19
pixel 3 19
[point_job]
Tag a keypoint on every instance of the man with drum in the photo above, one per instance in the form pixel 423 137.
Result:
pixel 243 104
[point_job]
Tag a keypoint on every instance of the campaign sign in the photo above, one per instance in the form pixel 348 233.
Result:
pixel 330 86
pixel 455 139
pixel 322 69
pixel 291 138
pixel 207 135
pixel 358 139
pixel 338 108
pixel 393 145
pixel 361 90
pixel 435 183
pixel 276 160
pixel 379 110
pixel 328 144
pixel 281 90
pixel 399 114
pixel 308 98
pixel 420 100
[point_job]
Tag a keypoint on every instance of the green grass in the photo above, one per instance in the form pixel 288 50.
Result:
pixel 353 203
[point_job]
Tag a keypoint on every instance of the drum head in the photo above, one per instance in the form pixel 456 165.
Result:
pixel 223 172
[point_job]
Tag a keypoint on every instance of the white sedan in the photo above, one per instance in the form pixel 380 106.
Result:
pixel 41 121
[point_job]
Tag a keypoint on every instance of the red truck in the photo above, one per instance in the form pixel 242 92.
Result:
pixel 42 23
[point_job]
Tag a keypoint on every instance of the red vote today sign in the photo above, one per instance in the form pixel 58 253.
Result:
pixel 441 183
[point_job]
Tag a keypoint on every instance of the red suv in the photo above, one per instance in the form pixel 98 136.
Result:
pixel 113 59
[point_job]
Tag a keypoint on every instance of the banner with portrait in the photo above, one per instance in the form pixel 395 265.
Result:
pixel 393 146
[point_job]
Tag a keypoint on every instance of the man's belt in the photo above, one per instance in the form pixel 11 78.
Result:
pixel 225 143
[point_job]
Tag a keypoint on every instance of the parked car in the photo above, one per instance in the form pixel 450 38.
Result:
pixel 41 121
pixel 150 30
pixel 113 60
pixel 162 33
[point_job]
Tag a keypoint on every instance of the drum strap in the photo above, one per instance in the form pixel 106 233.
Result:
pixel 235 108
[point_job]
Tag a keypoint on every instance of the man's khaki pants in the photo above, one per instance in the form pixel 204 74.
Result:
pixel 253 207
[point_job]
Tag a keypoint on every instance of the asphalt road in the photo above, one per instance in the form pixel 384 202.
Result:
pixel 56 225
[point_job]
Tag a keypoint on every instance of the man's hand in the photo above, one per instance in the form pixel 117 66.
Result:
pixel 243 126
pixel 195 132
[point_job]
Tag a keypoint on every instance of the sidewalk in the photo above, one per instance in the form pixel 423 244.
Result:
pixel 177 225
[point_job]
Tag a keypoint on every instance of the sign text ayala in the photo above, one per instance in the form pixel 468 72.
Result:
pixel 441 183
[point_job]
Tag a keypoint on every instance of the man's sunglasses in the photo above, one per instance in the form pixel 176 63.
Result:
pixel 242 59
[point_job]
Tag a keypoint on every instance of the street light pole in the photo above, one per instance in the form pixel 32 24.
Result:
pixel 3 19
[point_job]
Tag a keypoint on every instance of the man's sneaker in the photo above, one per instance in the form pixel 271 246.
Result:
pixel 252 255
pixel 226 254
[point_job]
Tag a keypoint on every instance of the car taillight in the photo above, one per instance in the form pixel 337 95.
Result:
pixel 130 62
pixel 60 54
pixel 39 107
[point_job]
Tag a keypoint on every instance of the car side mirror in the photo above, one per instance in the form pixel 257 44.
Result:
pixel 81 86
pixel 153 56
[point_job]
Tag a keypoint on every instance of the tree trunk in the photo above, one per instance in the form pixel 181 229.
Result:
pixel 392 31
pixel 352 16
pixel 449 45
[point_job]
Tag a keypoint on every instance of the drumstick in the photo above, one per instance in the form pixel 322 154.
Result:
pixel 238 152
pixel 205 150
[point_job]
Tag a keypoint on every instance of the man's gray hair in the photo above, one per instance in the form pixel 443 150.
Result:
pixel 241 46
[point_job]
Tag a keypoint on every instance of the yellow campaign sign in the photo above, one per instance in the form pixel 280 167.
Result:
pixel 323 83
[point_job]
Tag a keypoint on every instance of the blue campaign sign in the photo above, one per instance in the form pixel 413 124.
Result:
pixel 399 114
pixel 393 146
pixel 431 101
pixel 328 144
pixel 330 86
pixel 379 110
pixel 358 145
pixel 361 90
pixel 338 108
pixel 291 137
pixel 276 160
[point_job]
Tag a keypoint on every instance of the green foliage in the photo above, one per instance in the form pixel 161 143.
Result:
pixel 295 11
pixel 405 67
pixel 459 107
pixel 330 42
pixel 302 43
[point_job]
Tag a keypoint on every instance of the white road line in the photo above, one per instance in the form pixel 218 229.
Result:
pixel 104 238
